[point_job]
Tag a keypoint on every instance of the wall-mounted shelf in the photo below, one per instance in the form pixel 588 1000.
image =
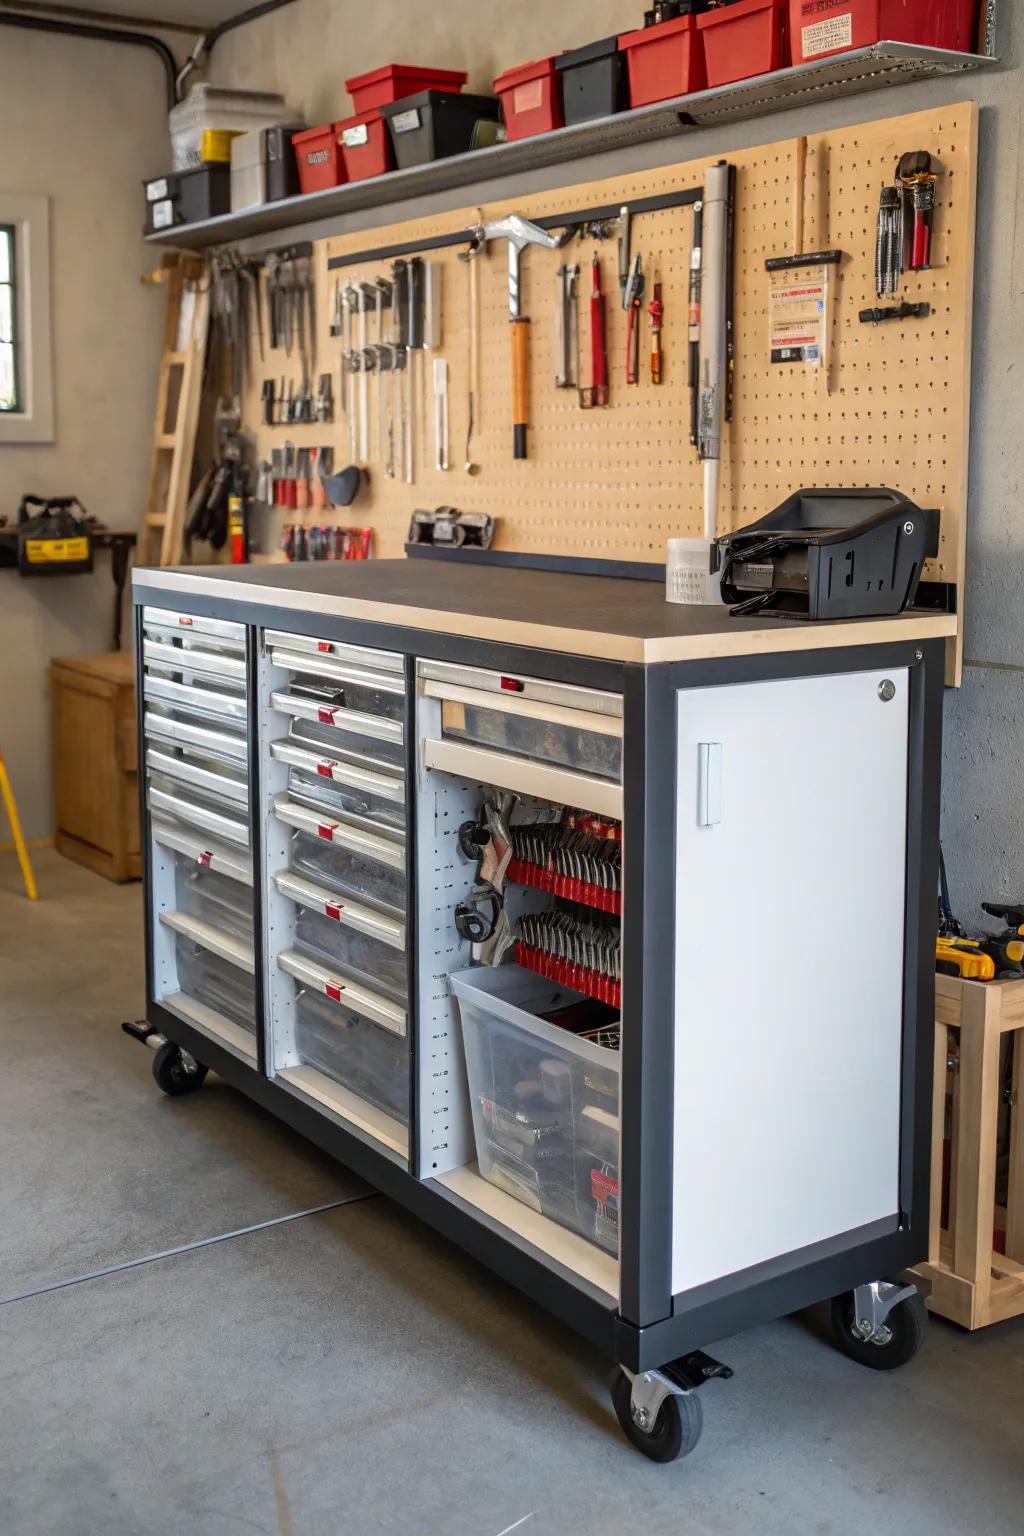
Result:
pixel 847 74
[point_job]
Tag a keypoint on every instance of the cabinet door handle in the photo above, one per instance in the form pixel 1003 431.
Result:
pixel 709 783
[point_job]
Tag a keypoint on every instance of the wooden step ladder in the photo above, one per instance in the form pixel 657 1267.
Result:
pixel 179 395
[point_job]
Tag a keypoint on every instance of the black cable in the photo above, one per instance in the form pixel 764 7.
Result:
pixel 101 34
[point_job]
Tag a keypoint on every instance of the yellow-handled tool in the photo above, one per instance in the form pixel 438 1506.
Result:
pixel 519 233
pixel 7 794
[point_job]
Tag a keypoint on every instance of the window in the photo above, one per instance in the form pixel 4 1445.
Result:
pixel 26 368
pixel 8 312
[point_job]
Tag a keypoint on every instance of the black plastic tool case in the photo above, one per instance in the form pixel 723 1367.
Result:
pixel 435 124
pixel 830 554
pixel 191 195
pixel 282 167
pixel 594 81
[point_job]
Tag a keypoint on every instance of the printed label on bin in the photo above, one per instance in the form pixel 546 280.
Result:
pixel 528 97
pixel 163 215
pixel 155 190
pixel 317 156
pixel 353 137
pixel 405 122
pixel 326 830
pixel 823 36
pixel 604 1189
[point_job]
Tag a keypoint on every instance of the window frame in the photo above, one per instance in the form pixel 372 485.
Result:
pixel 32 420
pixel 10 232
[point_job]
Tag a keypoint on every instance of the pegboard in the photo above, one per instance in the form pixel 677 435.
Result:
pixel 616 482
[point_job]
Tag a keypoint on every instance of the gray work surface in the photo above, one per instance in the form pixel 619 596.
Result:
pixel 351 1372
pixel 629 610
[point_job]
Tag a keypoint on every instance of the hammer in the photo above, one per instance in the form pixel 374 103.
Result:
pixel 519 233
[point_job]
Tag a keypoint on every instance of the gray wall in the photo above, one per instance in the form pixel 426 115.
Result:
pixel 83 123
pixel 309 49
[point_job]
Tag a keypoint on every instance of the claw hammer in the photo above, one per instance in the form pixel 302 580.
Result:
pixel 519 233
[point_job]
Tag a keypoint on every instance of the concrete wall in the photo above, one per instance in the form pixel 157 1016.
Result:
pixel 83 123
pixel 309 49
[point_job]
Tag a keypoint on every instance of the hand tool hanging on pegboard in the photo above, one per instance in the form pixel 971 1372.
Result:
pixel 693 320
pixel 597 393
pixel 634 310
pixel 519 233
pixel 566 327
pixel 656 312
pixel 473 353
pixel 916 178
pixel 712 360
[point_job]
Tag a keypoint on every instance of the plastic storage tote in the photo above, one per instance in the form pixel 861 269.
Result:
pixel 820 27
pixel 215 107
pixel 664 61
pixel 545 1101
pixel 594 81
pixel 370 1062
pixel 531 98
pixel 749 37
pixel 365 145
pixel 435 124
pixel 318 158
pixel 393 81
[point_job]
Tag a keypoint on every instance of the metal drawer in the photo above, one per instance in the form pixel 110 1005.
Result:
pixel 328 858
pixel 192 660
pixel 216 983
pixel 197 699
pixel 195 813
pixel 203 774
pixel 581 744
pixel 328 717
pixel 368 796
pixel 224 631
pixel 215 899
pixel 225 745
pixel 369 1062
pixel 371 752
pixel 357 1002
pixel 368 946
pixel 357 655
pixel 205 852
pixel 217 940
pixel 513 686
pixel 389 686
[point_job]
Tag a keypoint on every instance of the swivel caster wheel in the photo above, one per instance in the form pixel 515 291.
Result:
pixel 662 1423
pixel 176 1071
pixel 881 1325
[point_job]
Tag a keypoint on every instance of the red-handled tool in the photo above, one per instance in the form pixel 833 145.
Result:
pixel 916 177
pixel 597 394
pixel 657 313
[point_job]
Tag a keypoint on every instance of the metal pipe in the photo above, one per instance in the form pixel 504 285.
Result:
pixel 100 34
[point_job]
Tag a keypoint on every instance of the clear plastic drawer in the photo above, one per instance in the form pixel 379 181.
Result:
pixel 360 749
pixel 216 983
pixel 338 1041
pixel 548 741
pixel 214 898
pixel 365 957
pixel 339 799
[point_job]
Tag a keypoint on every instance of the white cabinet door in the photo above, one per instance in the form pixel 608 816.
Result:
pixel 790 892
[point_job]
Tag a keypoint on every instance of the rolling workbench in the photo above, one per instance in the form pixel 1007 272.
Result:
pixel 313 739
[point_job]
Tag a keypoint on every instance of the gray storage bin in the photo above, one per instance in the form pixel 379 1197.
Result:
pixel 367 959
pixel 565 746
pixel 216 983
pixel 545 1101
pixel 348 873
pixel 369 1061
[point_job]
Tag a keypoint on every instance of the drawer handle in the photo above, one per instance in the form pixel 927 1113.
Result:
pixel 204 857
pixel 333 910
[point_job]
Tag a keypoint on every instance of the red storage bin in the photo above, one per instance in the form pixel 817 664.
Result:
pixel 393 81
pixel 318 158
pixel 821 27
pixel 666 60
pixel 531 98
pixel 744 39
pixel 365 145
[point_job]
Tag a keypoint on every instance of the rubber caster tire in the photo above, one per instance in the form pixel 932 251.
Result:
pixel 906 1323
pixel 676 1430
pixel 170 1074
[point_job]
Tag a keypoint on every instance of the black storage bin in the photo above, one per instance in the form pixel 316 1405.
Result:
pixel 595 82
pixel 435 124
pixel 282 166
pixel 185 197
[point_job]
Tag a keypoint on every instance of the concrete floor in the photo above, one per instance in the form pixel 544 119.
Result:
pixel 347 1372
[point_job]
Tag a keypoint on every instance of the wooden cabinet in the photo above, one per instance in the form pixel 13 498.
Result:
pixel 95 778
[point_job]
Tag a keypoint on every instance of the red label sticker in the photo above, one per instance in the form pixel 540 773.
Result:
pixel 602 1187
pixel 334 989
pixel 183 620
pixel 512 684
pixel 330 910
pixel 324 645
pixel 325 768
pixel 325 829
pixel 204 858
pixel 326 713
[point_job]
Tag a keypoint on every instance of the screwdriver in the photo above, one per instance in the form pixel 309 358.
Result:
pixel 657 312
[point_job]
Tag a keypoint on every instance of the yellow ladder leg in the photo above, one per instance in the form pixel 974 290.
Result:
pixel 19 842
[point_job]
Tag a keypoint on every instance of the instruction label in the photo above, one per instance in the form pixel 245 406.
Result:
pixel 796 322
pixel 823 36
